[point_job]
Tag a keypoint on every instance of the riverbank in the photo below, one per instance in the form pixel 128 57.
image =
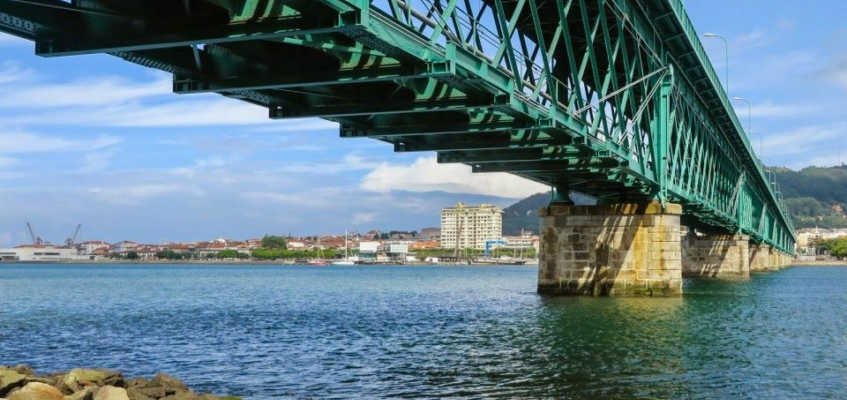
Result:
pixel 22 383
pixel 245 263
pixel 819 263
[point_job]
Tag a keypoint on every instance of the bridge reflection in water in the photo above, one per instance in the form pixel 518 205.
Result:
pixel 613 98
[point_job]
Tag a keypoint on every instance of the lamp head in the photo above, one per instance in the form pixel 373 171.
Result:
pixel 709 34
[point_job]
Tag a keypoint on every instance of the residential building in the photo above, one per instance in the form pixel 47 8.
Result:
pixel 469 227
pixel 430 234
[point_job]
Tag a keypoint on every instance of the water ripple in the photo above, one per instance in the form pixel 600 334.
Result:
pixel 428 333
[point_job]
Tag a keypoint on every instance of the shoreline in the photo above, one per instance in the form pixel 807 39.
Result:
pixel 246 263
pixel 819 263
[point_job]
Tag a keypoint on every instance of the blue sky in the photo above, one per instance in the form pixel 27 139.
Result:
pixel 99 141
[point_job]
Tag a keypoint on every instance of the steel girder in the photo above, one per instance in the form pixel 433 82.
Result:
pixel 613 98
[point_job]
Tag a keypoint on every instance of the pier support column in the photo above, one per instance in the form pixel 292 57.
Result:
pixel 715 256
pixel 759 257
pixel 613 250
pixel 774 260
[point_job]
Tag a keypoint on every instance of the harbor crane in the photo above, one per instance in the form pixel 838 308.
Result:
pixel 36 240
pixel 69 242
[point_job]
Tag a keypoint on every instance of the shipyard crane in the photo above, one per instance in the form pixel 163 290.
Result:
pixel 35 239
pixel 69 242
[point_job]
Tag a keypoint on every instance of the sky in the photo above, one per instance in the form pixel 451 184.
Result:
pixel 105 143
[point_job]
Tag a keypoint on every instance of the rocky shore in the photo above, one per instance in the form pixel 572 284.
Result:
pixel 21 383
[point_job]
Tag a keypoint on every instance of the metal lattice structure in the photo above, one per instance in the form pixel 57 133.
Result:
pixel 613 98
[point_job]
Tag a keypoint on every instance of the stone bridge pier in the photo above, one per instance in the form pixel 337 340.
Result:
pixel 616 250
pixel 638 250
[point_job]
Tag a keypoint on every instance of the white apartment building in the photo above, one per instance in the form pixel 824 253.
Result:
pixel 469 227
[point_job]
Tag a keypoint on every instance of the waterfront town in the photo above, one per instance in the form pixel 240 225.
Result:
pixel 470 233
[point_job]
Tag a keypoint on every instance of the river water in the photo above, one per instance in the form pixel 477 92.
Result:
pixel 428 332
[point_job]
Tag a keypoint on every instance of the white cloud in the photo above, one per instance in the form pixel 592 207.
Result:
pixel 25 142
pixel 351 162
pixel 7 161
pixel 804 140
pixel 101 91
pixel 11 72
pixel 136 194
pixel 363 218
pixel 97 161
pixel 306 197
pixel 426 175
pixel 768 109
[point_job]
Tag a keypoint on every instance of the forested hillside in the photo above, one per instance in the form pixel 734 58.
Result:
pixel 815 196
pixel 523 215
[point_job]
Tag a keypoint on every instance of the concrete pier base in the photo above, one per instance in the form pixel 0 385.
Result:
pixel 760 258
pixel 715 256
pixel 613 250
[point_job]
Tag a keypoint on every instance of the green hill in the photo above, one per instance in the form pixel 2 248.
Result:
pixel 523 215
pixel 815 196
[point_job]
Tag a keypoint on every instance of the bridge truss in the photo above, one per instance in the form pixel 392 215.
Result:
pixel 613 98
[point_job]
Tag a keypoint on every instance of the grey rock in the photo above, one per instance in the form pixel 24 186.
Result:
pixel 170 383
pixel 10 379
pixel 37 391
pixel 111 393
pixel 136 393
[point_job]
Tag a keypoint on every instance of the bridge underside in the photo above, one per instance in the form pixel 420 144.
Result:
pixel 612 98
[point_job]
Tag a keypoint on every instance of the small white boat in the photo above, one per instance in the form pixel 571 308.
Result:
pixel 346 260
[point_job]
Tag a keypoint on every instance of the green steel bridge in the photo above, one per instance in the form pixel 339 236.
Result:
pixel 613 98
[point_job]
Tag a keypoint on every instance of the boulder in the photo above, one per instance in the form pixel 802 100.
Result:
pixel 171 384
pixel 37 391
pixel 154 392
pixel 181 396
pixel 140 381
pixel 78 378
pixel 10 379
pixel 84 394
pixel 136 393
pixel 24 369
pixel 111 393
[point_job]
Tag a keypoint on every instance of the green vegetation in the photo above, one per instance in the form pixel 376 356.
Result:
pixel 815 196
pixel 132 255
pixel 835 247
pixel 172 255
pixel 273 242
pixel 279 254
pixel 230 254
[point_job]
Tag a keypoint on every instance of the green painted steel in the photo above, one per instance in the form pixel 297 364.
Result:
pixel 613 98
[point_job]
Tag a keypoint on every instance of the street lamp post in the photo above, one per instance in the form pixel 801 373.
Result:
pixel 726 48
pixel 749 111
pixel 761 153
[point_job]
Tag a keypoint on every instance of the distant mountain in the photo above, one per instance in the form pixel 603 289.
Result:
pixel 523 215
pixel 815 196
